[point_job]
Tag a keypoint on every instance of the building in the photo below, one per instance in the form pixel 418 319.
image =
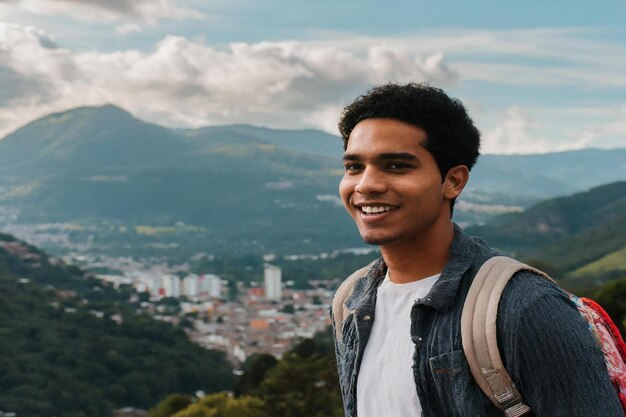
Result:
pixel 191 285
pixel 171 286
pixel 273 286
pixel 214 285
pixel 209 285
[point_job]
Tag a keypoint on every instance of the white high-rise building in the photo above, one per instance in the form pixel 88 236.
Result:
pixel 214 285
pixel 156 285
pixel 273 276
pixel 190 284
pixel 171 286
pixel 211 285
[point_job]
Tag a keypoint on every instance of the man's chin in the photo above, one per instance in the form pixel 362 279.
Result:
pixel 376 240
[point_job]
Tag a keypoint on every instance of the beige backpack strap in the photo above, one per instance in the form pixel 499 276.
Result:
pixel 339 309
pixel 479 335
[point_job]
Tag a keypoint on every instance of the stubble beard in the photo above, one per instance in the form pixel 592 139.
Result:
pixel 377 239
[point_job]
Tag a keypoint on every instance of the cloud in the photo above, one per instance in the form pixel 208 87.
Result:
pixel 184 83
pixel 128 28
pixel 294 84
pixel 518 133
pixel 525 57
pixel 597 75
pixel 129 13
pixel 611 134
pixel 512 134
pixel 27 59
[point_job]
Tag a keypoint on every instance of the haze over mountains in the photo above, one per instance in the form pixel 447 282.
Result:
pixel 238 186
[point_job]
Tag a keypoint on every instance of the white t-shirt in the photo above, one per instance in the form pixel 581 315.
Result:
pixel 386 385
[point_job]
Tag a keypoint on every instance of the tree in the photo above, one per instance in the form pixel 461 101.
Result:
pixel 223 405
pixel 289 309
pixel 321 344
pixel 255 369
pixel 612 297
pixel 300 386
pixel 169 406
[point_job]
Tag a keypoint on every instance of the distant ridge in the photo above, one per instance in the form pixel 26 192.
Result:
pixel 256 188
pixel 310 141
pixel 85 137
pixel 102 164
pixel 550 174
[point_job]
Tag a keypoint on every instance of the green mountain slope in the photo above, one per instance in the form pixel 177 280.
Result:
pixel 587 248
pixel 103 137
pixel 71 346
pixel 557 218
pixel 614 261
pixel 566 233
pixel 306 141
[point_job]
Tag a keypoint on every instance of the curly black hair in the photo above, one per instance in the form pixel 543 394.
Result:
pixel 451 136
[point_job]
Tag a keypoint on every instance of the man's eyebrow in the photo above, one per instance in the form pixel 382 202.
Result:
pixel 383 156
pixel 397 155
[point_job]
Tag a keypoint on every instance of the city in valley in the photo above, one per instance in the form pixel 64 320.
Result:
pixel 268 318
pixel 240 318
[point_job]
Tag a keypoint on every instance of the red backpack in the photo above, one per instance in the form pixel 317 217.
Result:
pixel 478 331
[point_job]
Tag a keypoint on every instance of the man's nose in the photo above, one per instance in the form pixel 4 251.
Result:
pixel 371 181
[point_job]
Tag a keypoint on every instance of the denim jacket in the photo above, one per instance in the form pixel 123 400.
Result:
pixel 544 342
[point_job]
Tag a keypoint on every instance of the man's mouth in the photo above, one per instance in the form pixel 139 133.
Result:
pixel 376 209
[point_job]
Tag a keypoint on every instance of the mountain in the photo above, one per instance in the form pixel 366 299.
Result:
pixel 548 175
pixel 73 346
pixel 234 190
pixel 308 140
pixel 580 236
pixel 124 184
pixel 104 137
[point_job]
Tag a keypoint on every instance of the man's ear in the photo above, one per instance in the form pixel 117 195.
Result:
pixel 455 181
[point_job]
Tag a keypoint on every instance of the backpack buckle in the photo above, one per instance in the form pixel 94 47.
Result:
pixel 517 410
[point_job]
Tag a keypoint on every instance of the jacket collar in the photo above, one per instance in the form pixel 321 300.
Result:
pixel 462 254
pixel 443 292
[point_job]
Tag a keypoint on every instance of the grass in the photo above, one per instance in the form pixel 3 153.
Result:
pixel 610 262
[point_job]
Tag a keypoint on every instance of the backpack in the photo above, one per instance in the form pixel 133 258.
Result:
pixel 478 332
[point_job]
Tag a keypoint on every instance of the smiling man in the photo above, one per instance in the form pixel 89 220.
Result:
pixel 408 153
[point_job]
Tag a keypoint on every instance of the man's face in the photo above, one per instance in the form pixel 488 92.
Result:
pixel 392 187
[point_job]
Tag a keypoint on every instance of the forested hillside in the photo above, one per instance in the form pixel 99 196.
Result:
pixel 303 383
pixel 71 346
pixel 579 238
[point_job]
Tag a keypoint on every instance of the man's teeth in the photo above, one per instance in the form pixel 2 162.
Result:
pixel 375 209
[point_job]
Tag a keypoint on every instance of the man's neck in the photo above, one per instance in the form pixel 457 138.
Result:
pixel 412 261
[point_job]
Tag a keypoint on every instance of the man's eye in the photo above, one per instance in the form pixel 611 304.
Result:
pixel 352 167
pixel 398 165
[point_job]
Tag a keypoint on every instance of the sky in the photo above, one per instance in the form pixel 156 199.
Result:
pixel 535 76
